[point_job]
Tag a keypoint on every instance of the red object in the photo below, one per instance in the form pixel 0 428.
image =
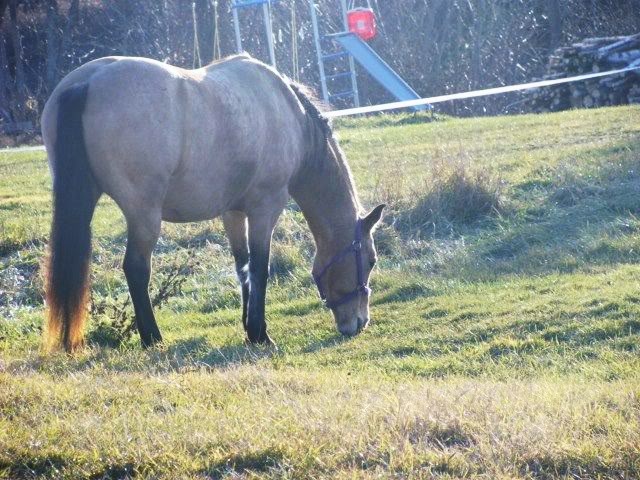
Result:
pixel 362 22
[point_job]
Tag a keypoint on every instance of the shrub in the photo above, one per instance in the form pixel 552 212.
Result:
pixel 116 322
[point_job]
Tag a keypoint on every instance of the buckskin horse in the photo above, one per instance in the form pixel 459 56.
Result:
pixel 232 139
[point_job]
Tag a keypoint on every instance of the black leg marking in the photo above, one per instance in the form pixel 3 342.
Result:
pixel 142 237
pixel 258 275
pixel 138 272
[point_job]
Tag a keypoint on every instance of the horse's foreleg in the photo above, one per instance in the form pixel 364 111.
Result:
pixel 142 236
pixel 235 224
pixel 260 231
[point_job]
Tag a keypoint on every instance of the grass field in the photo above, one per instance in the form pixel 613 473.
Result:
pixel 505 341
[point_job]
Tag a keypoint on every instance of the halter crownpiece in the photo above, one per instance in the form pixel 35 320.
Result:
pixel 361 288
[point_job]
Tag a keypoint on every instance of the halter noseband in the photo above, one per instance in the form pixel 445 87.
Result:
pixel 356 249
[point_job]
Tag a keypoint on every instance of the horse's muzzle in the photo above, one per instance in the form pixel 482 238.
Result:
pixel 353 328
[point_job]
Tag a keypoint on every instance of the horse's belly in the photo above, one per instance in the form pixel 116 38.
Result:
pixel 205 195
pixel 170 214
pixel 189 206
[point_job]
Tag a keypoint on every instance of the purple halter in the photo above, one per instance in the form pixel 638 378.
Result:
pixel 356 249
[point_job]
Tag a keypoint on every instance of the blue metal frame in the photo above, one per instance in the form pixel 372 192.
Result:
pixel 339 75
pixel 325 56
pixel 248 3
pixel 346 93
pixel 329 56
pixel 266 12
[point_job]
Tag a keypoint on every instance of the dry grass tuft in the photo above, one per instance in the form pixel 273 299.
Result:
pixel 454 194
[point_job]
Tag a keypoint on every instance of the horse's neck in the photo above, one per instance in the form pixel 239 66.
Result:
pixel 327 197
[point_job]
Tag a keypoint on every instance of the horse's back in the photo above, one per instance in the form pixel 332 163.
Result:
pixel 246 135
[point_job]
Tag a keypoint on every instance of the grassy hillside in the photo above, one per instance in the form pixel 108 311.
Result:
pixel 504 343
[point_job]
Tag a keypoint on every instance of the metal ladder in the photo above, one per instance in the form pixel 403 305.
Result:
pixel 266 12
pixel 332 56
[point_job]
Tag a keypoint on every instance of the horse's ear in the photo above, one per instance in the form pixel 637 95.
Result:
pixel 372 218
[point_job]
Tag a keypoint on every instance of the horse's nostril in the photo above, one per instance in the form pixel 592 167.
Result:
pixel 362 323
pixel 353 328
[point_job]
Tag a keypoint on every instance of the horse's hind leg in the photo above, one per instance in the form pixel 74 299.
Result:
pixel 142 235
pixel 235 224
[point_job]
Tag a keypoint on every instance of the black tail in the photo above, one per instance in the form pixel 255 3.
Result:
pixel 74 199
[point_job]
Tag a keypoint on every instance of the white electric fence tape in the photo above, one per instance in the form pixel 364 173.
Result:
pixel 476 93
pixel 438 99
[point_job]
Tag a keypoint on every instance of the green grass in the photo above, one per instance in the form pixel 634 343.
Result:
pixel 503 345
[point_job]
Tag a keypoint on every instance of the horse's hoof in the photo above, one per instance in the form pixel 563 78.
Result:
pixel 152 343
pixel 270 344
pixel 263 340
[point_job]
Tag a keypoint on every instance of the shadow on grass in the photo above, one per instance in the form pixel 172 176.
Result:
pixel 405 293
pixel 242 464
pixel 25 465
pixel 181 356
pixel 299 308
pixel 577 334
pixel 568 330
pixel 571 465
pixel 580 222
pixel 197 352
pixel 116 472
pixel 9 247
pixel 398 119
pixel 331 341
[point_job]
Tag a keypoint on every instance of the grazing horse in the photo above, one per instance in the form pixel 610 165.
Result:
pixel 233 139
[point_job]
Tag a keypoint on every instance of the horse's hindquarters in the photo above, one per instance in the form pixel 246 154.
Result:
pixel 133 130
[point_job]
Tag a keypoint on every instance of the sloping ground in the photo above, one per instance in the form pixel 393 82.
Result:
pixel 505 343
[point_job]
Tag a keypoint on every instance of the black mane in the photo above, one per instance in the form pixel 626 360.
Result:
pixel 308 101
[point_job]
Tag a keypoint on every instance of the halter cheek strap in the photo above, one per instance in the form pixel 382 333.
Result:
pixel 361 288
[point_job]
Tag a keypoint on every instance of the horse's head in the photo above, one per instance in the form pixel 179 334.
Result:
pixel 342 276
